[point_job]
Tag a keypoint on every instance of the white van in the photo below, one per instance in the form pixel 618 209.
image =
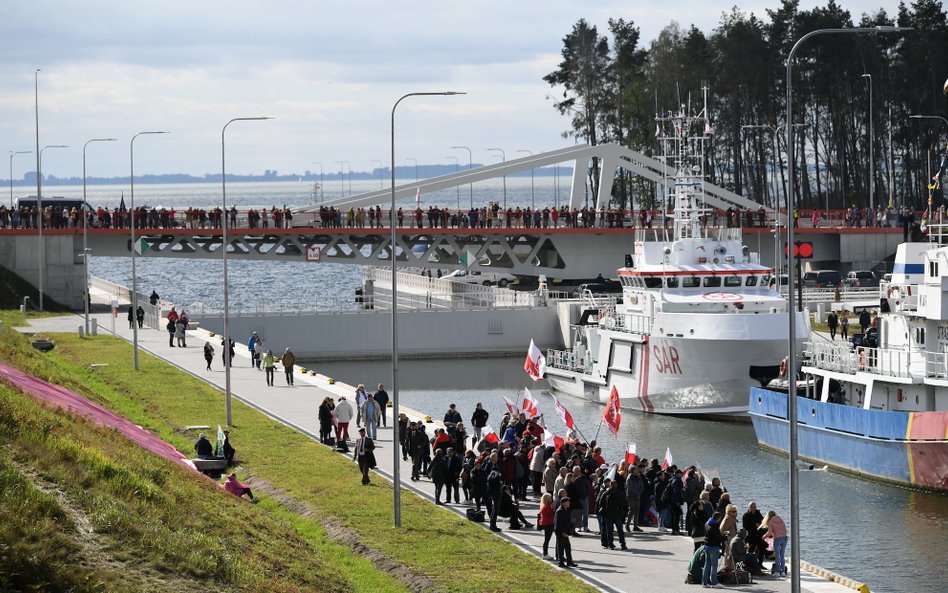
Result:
pixel 500 279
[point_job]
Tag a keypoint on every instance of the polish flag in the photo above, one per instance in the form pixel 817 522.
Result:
pixel 535 365
pixel 564 414
pixel 529 405
pixel 612 415
pixel 511 407
pixel 551 440
pixel 611 474
pixel 489 435
pixel 669 461
pixel 630 456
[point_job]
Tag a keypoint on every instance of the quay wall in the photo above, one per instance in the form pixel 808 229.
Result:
pixel 367 335
pixel 65 275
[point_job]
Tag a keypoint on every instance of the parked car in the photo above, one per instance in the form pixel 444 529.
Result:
pixel 822 279
pixel 861 279
pixel 784 281
pixel 500 279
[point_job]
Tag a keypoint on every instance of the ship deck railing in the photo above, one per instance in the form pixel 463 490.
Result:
pixel 887 362
pixel 568 361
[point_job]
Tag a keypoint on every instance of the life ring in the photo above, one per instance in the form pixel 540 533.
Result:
pixel 783 367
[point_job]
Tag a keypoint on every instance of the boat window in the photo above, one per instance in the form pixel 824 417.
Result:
pixel 732 281
pixel 765 280
pixel 751 281
pixel 671 282
pixel 652 282
pixel 690 282
pixel 712 281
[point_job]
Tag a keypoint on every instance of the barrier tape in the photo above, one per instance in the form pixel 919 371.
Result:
pixel 832 576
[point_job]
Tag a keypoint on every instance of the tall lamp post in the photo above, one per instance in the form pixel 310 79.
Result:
pixel 12 154
pixel 40 219
pixel 872 138
pixel 397 498
pixel 226 348
pixel 320 179
pixel 342 176
pixel 381 173
pixel 457 169
pixel 85 229
pixel 470 165
pixel 533 202
pixel 503 158
pixel 792 409
pixel 134 305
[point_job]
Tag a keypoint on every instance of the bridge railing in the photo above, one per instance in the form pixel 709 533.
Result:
pixel 417 291
pixel 123 295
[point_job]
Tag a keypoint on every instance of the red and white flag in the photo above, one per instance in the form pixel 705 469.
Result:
pixel 669 461
pixel 630 456
pixel 564 414
pixel 511 408
pixel 535 365
pixel 612 415
pixel 529 405
pixel 418 196
pixel 489 435
pixel 552 440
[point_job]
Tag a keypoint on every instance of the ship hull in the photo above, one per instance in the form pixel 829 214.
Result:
pixel 903 448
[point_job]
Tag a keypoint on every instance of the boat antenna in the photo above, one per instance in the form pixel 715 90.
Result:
pixel 678 91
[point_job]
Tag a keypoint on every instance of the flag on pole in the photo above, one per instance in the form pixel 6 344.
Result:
pixel 669 461
pixel 612 416
pixel 564 414
pixel 122 207
pixel 535 365
pixel 529 405
pixel 489 435
pixel 630 456
pixel 219 446
pixel 552 440
pixel 511 407
pixel 611 474
pixel 658 131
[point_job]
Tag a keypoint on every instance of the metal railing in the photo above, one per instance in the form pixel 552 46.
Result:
pixel 567 361
pixel 417 291
pixel 845 358
pixel 123 295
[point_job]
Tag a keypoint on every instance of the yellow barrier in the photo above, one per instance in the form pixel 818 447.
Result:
pixel 832 576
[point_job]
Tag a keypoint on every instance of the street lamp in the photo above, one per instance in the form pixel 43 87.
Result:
pixel 503 158
pixel 397 499
pixel 415 161
pixel 792 397
pixel 533 204
pixel 457 168
pixel 872 163
pixel 470 165
pixel 39 217
pixel 349 166
pixel 225 350
pixel 342 177
pixel 381 173
pixel 85 229
pixel 12 153
pixel 320 179
pixel 134 304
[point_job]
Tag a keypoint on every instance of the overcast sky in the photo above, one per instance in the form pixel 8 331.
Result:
pixel 328 72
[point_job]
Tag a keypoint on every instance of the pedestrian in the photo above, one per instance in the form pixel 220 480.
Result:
pixel 360 397
pixel 364 455
pixel 563 528
pixel 140 316
pixel 478 421
pixel 865 320
pixel 131 318
pixel 325 420
pixel 288 360
pixel 844 325
pixel 777 529
pixel 171 329
pixel 208 354
pixel 438 472
pixel 634 487
pixel 712 550
pixel 494 491
pixel 343 418
pixel 381 398
pixel 371 412
pixel 153 299
pixel 268 363
pixel 258 351
pixel 250 347
pixel 419 448
pixel 832 321
pixel 546 519
pixel 455 466
pixel 179 331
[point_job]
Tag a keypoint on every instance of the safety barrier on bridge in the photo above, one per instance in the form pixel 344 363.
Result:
pixel 123 295
pixel 416 291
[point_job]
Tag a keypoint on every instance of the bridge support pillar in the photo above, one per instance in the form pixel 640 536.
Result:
pixel 65 276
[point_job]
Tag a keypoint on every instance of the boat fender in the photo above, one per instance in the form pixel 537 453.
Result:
pixel 783 367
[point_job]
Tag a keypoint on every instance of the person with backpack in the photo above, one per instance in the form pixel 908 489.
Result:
pixel 170 328
pixel 208 353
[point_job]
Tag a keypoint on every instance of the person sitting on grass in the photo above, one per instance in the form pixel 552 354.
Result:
pixel 238 489
pixel 203 447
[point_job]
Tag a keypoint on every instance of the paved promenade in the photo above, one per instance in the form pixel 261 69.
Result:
pixel 654 561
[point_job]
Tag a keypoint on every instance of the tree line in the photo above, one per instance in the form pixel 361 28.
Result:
pixel 611 87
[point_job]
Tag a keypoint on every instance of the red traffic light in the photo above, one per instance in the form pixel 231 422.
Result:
pixel 801 249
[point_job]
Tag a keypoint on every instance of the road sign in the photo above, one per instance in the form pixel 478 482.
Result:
pixel 314 253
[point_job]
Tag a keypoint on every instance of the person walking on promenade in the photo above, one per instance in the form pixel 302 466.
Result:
pixel 451 418
pixel 699 519
pixel 154 298
pixel 179 331
pixel 343 418
pixel 634 487
pixel 250 347
pixel 269 361
pixel 612 507
pixel 371 412
pixel 381 398
pixel 776 529
pixel 478 421
pixel 170 327
pixel 460 438
pixel 546 520
pixel 455 466
pixel 360 397
pixel 832 321
pixel 712 550
pixel 208 354
pixel 258 351
pixel 549 475
pixel 140 316
pixel 289 360
pixel 325 420
pixel 364 455
pixel 419 448
pixel 865 320
pixel 439 475
pixel 404 435
pixel 844 325
pixel 131 317
pixel 563 528
pixel 494 492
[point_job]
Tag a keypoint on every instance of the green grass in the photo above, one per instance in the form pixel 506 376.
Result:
pixel 163 400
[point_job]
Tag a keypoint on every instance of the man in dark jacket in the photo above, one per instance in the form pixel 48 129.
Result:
pixel 420 449
pixel 675 500
pixel 634 487
pixel 454 474
pixel 203 447
pixel 613 509
pixel 439 475
pixel 381 398
pixel 494 491
pixel 562 527
pixel 478 421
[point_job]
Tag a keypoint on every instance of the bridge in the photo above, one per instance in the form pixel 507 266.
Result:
pixel 590 243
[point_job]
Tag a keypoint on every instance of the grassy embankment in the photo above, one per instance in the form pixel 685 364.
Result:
pixel 315 514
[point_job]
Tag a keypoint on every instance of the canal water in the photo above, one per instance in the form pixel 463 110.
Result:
pixel 893 539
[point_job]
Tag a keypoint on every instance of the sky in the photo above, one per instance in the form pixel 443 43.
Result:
pixel 329 73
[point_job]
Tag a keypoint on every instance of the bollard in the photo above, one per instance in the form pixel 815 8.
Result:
pixel 94 328
pixel 22 309
pixel 82 332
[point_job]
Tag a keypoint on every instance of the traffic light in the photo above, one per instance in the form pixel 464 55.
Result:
pixel 801 250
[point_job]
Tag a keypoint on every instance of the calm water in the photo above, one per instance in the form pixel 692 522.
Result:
pixel 894 539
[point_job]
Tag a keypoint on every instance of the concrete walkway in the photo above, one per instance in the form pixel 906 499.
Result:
pixel 655 561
